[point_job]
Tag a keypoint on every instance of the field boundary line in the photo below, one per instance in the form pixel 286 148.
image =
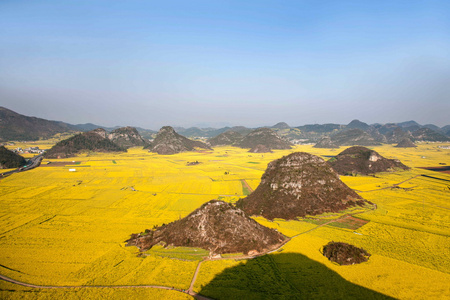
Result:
pixel 189 292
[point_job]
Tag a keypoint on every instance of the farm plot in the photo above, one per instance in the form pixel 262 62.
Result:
pixel 71 227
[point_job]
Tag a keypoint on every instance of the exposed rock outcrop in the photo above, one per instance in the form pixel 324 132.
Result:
pixel 126 137
pixel 361 160
pixel 264 136
pixel 167 142
pixel 297 185
pixel 216 226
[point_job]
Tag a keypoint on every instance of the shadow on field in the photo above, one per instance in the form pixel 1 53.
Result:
pixel 284 276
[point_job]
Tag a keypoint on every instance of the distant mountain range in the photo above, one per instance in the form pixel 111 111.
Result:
pixel 14 126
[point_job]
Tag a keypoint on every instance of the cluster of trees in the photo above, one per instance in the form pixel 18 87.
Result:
pixel 9 159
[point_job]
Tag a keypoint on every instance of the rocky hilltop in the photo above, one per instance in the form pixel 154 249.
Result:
pixel 226 138
pixel 297 185
pixel 88 141
pixel 9 159
pixel 216 226
pixel 101 132
pixel 406 143
pixel 264 136
pixel 361 160
pixel 167 141
pixel 126 137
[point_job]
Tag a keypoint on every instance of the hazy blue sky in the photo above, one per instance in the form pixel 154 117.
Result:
pixel 154 63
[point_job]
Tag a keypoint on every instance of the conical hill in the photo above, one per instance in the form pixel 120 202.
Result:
pixel 167 141
pixel 297 185
pixel 216 226
pixel 361 160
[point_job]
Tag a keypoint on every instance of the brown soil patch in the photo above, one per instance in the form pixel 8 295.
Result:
pixel 349 222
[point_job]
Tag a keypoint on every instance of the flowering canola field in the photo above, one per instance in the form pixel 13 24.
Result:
pixel 64 228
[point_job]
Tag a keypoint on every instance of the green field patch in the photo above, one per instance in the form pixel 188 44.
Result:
pixel 182 253
pixel 253 162
pixel 245 189
pixel 114 162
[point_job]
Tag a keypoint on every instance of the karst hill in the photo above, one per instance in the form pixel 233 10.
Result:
pixel 264 136
pixel 167 142
pixel 126 137
pixel 406 143
pixel 297 185
pixel 229 137
pixel 361 160
pixel 94 140
pixel 216 226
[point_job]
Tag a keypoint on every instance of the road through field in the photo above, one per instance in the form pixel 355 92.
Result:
pixel 194 277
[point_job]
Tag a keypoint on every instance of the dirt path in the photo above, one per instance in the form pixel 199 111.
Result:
pixel 395 185
pixel 189 292
pixel 247 185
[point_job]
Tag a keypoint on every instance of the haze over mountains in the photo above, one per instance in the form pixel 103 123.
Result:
pixel 14 126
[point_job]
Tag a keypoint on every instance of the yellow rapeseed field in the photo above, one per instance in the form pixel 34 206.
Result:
pixel 65 228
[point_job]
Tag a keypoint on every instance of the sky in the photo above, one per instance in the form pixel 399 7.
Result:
pixel 213 63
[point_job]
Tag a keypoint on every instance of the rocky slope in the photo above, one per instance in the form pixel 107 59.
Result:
pixel 406 143
pixel 167 142
pixel 88 141
pixel 297 185
pixel 361 160
pixel 266 137
pixel 429 135
pixel 226 138
pixel 126 137
pixel 9 159
pixel 216 226
pixel 260 149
